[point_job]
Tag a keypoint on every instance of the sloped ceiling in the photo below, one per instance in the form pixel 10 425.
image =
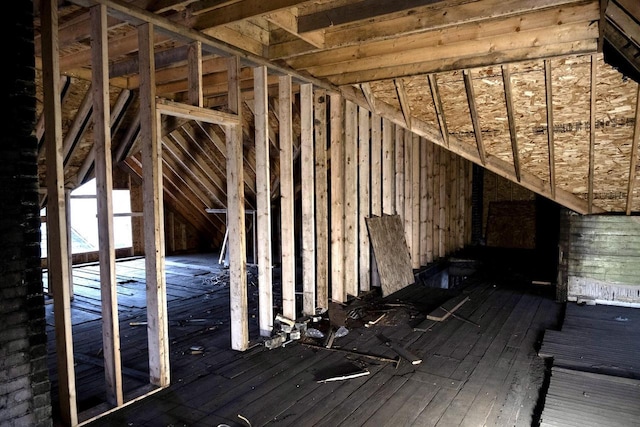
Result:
pixel 479 77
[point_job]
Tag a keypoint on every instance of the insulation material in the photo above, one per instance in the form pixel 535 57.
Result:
pixel 571 83
pixel 530 106
pixel 615 119
pixel 456 106
pixel 492 112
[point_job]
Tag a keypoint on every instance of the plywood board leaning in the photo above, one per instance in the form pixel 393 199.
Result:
pixel 390 252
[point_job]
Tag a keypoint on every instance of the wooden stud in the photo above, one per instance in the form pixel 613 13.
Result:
pixel 634 155
pixel 351 199
pixel 321 206
pixel 452 205
pixel 236 215
pixel 368 95
pixel 399 156
pixel 336 106
pixel 287 214
pixel 308 196
pixel 194 77
pixel 429 190
pixel 364 202
pixel 442 192
pixel 592 133
pixel 436 200
pixel 408 192
pixel 153 212
pixel 57 245
pixel 550 131
pixel 388 175
pixel 404 101
pixel 508 97
pixel 423 186
pixel 415 201
pixel 437 102
pixel 376 183
pixel 263 201
pixel 104 194
pixel 473 111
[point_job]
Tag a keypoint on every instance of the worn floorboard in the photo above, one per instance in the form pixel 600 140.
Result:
pixel 484 367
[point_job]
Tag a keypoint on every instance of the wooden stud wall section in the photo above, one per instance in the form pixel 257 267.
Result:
pixel 287 231
pixel 376 182
pixel 322 198
pixel 263 201
pixel 408 189
pixel 364 195
pixel 57 257
pixel 104 194
pixel 336 106
pixel 153 214
pixel 351 199
pixel 308 196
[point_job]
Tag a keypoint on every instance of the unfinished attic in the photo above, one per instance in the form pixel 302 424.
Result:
pixel 321 213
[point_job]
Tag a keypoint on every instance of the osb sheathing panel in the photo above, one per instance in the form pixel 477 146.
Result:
pixel 492 112
pixel 420 99
pixel 615 119
pixel 456 107
pixel 385 90
pixel 571 87
pixel 571 99
pixel 530 111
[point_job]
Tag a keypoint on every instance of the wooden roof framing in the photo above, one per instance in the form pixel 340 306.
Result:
pixel 434 67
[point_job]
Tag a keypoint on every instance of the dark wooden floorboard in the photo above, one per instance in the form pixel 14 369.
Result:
pixel 487 373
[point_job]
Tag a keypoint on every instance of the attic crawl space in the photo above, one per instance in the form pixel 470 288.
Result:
pixel 324 212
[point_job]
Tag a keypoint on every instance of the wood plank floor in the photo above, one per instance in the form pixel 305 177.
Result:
pixel 595 378
pixel 478 368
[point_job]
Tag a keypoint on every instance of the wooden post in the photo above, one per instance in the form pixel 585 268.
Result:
pixel 415 201
pixel 550 134
pixel 235 215
pixel 592 133
pixel 57 245
pixel 153 214
pixel 376 182
pixel 338 291
pixel 634 155
pixel 351 199
pixel 436 201
pixel 442 192
pixel 423 201
pixel 321 206
pixel 263 201
pixel 194 76
pixel 399 157
pixel 388 173
pixel 104 193
pixel 364 203
pixel 430 198
pixel 287 239
pixel 408 192
pixel 308 195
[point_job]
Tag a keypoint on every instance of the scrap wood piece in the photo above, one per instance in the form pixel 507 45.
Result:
pixel 442 313
pixel 343 372
pixel 391 253
pixel 399 350
pixel 356 353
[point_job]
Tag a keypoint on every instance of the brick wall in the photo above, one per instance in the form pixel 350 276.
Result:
pixel 24 381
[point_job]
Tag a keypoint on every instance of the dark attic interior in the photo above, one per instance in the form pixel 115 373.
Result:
pixel 320 213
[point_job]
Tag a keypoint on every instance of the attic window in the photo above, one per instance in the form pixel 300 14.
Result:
pixel 84 220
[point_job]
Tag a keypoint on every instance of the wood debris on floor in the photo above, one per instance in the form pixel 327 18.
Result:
pixel 467 375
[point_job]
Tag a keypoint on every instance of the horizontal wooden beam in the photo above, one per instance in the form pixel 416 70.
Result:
pixel 193 112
